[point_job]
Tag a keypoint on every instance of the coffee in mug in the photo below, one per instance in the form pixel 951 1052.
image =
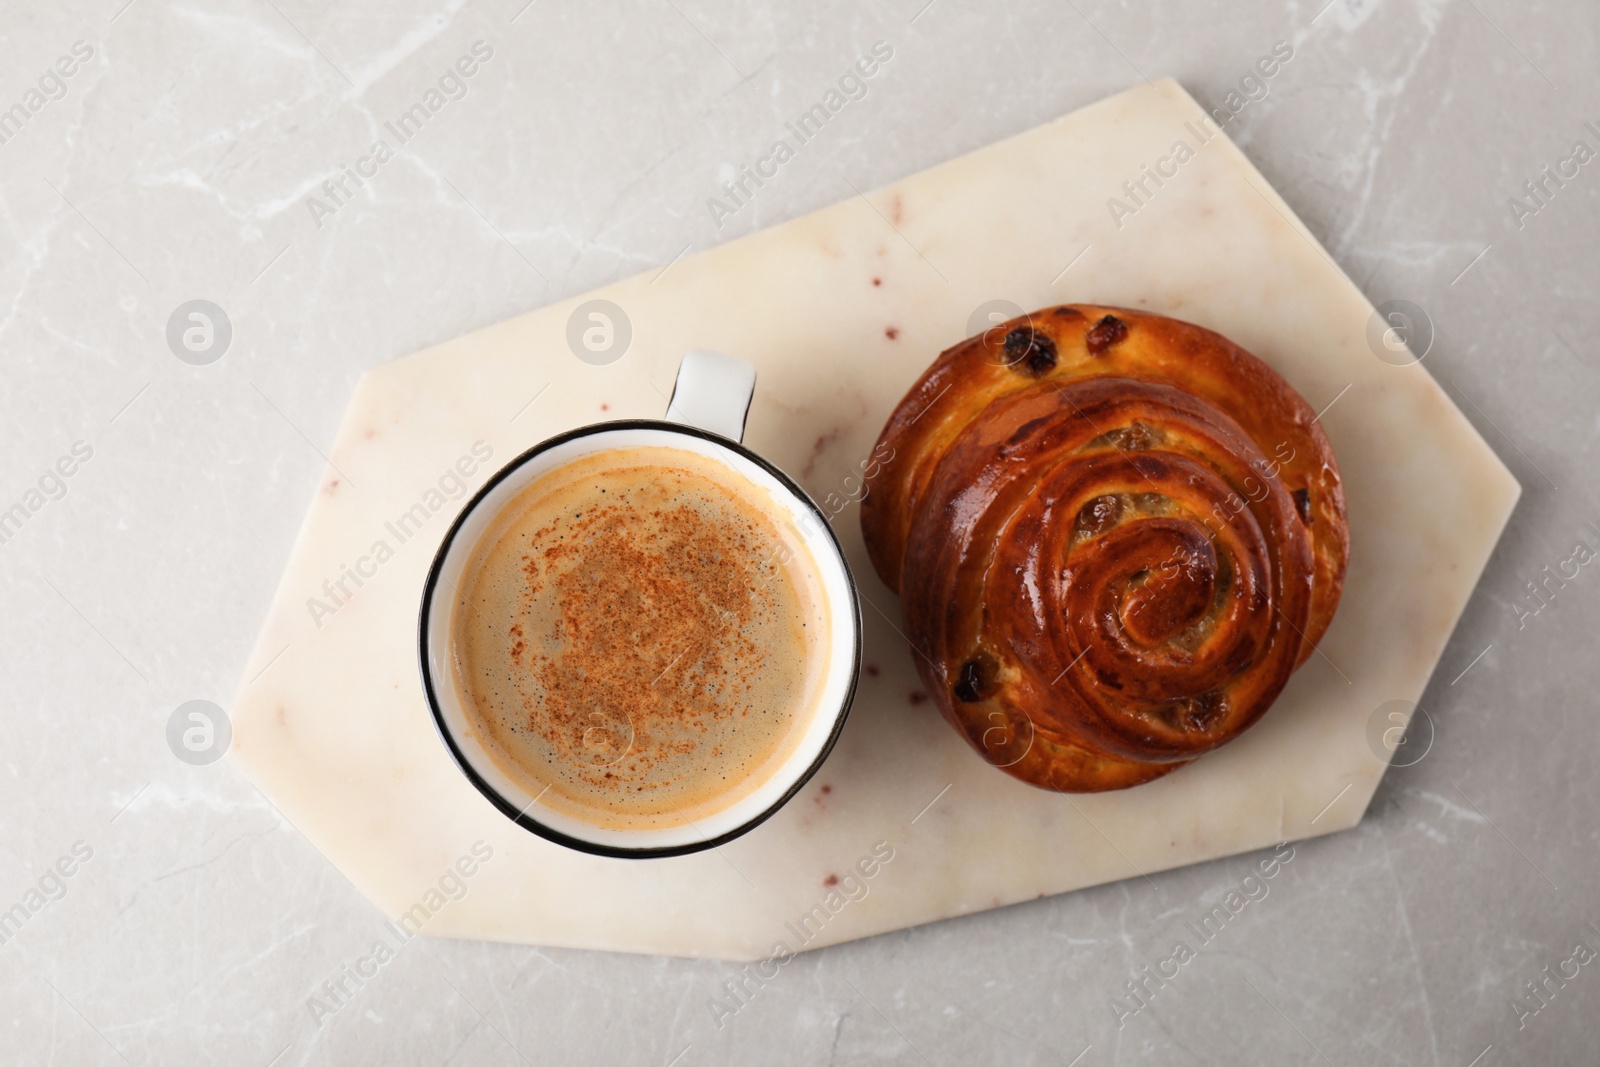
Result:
pixel 639 637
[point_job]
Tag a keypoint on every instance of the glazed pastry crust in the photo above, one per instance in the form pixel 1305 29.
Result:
pixel 1115 535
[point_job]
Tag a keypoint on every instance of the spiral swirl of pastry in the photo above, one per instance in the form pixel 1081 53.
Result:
pixel 1115 536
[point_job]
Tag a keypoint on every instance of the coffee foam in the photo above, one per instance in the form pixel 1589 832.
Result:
pixel 639 638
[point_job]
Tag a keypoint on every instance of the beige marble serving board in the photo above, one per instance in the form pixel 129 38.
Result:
pixel 840 311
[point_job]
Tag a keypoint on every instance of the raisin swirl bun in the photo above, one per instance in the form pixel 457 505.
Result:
pixel 1115 535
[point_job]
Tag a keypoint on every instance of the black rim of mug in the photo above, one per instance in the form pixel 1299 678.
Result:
pixel 520 816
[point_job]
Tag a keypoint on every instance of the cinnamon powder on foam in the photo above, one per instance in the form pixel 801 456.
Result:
pixel 640 637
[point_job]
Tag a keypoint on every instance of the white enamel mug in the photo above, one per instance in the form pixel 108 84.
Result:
pixel 706 415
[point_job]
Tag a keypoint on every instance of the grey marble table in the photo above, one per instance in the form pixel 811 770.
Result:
pixel 156 153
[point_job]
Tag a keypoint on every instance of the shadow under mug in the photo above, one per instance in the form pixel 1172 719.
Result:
pixel 706 415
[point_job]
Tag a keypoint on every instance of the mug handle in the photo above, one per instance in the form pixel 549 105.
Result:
pixel 712 392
